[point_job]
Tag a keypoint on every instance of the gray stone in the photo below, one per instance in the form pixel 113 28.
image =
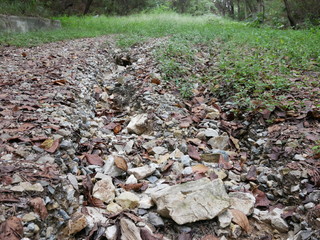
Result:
pixel 46 159
pixel 138 124
pixel 104 190
pixel 23 24
pixel 155 219
pixel 65 144
pixel 209 132
pixel 192 201
pixel 220 142
pixel 225 219
pixel 243 202
pixel 186 160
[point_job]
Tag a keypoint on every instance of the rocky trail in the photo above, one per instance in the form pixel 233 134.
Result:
pixel 95 145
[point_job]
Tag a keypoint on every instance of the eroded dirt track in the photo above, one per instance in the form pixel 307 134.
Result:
pixel 95 145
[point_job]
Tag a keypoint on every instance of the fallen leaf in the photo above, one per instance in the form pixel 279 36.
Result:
pixel 193 152
pixel 155 81
pixel 117 129
pixel 252 174
pixel 241 219
pixel 121 163
pixel 54 146
pixel 97 202
pixel 200 168
pixel 134 186
pixel 209 237
pixel 147 235
pixel 261 198
pixel 60 82
pixel 11 229
pixel 94 159
pixel 47 143
pixel 39 207
pixel 185 236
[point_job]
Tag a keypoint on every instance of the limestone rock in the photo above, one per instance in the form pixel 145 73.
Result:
pixel 104 190
pixel 26 186
pixel 138 124
pixel 225 219
pixel 111 232
pixel 77 222
pixel 243 202
pixel 142 172
pixel 114 208
pixel 129 231
pixel 220 142
pixel 193 201
pixel 128 200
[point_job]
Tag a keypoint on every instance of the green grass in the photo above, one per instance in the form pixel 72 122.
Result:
pixel 238 62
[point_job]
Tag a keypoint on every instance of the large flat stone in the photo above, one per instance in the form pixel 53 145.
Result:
pixel 26 24
pixel 193 201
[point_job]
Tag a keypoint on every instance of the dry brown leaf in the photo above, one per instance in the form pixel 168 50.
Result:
pixel 241 219
pixel 47 143
pixel 117 129
pixel 94 159
pixel 155 81
pixel 11 229
pixel 121 163
pixel 193 152
pixel 54 146
pixel 60 82
pixel 39 207
pixel 209 237
pixel 200 168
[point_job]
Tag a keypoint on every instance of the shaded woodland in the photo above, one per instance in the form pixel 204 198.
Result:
pixel 276 13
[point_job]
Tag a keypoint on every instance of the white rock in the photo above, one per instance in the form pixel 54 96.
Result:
pixel 277 221
pixel 145 202
pixel 209 132
pixel 225 219
pixel 142 172
pixel 243 202
pixel 46 159
pixel 104 190
pixel 128 200
pixel 26 186
pixel 129 231
pixel 192 201
pixel 114 208
pixel 131 180
pixel 111 233
pixel 138 124
pixel 95 216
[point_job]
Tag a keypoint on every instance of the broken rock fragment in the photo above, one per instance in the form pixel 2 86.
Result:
pixel 242 201
pixel 129 231
pixel 104 190
pixel 128 200
pixel 193 201
pixel 142 172
pixel 138 124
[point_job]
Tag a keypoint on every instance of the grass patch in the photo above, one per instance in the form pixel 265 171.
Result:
pixel 240 63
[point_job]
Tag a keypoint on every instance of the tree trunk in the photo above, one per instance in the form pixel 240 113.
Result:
pixel 239 10
pixel 86 9
pixel 231 8
pixel 290 17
